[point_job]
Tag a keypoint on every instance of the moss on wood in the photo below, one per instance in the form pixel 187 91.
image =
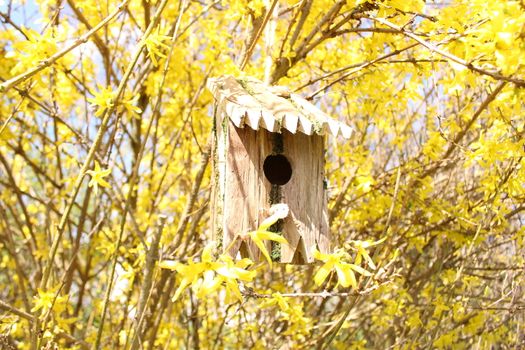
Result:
pixel 275 198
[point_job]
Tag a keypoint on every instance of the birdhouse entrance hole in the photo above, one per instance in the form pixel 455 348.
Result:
pixel 277 169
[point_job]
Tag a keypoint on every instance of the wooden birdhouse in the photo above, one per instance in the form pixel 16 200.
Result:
pixel 269 149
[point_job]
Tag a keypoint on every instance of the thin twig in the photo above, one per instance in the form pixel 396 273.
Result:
pixel 134 176
pixel 151 257
pixel 9 308
pixel 49 61
pixel 454 144
pixel 332 331
pixel 249 52
pixel 357 66
pixel 448 55
pixel 205 157
pixel 250 293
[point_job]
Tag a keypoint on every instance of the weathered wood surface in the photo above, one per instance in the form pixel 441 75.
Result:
pixel 218 165
pixel 243 189
pixel 306 226
pixel 241 107
pixel 284 113
pixel 249 101
pixel 242 193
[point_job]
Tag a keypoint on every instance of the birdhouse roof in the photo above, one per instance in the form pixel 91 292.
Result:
pixel 248 101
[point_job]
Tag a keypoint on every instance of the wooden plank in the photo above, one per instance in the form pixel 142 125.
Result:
pixel 214 181
pixel 220 139
pixel 321 120
pixel 236 101
pixel 284 112
pixel 268 108
pixel 305 196
pixel 290 122
pixel 246 191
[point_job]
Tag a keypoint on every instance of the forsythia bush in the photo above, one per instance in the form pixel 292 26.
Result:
pixel 104 175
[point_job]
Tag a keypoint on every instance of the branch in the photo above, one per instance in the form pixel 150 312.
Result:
pixel 392 206
pixel 250 293
pixel 332 331
pixel 451 57
pixel 305 11
pixel 7 19
pixel 357 67
pixel 102 47
pixel 49 61
pixel 257 35
pixel 462 133
pixel 362 65
pixel 151 257
pixel 9 308
pixel 132 181
pixel 205 157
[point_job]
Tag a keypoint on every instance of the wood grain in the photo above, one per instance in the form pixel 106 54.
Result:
pixel 241 192
pixel 307 225
pixel 246 191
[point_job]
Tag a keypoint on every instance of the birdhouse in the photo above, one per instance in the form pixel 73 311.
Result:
pixel 268 148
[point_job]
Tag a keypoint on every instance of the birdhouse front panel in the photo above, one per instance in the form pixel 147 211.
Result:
pixel 269 150
pixel 305 194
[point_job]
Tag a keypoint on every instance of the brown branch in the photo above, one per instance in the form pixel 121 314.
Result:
pixel 155 21
pixel 451 57
pixel 165 288
pixel 10 246
pixel 18 193
pixel 50 60
pixel 151 257
pixel 463 132
pixel 305 11
pixel 102 47
pixel 332 331
pixel 7 19
pixel 205 157
pixel 392 206
pixel 284 64
pixel 250 49
pixel 357 67
pixel 327 18
pixel 250 293
pixel 9 308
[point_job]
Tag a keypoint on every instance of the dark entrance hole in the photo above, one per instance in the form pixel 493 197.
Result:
pixel 277 169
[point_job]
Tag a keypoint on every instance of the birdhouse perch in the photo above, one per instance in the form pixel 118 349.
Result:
pixel 269 149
